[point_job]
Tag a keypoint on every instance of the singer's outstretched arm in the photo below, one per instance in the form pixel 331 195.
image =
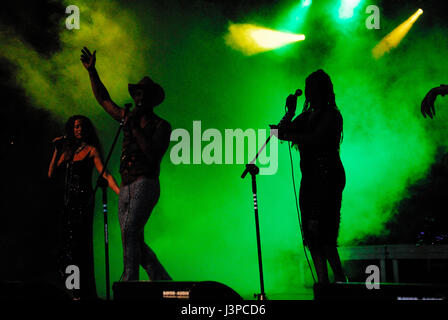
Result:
pixel 99 90
pixel 100 166
pixel 284 127
pixel 53 163
pixel 329 122
pixel 56 155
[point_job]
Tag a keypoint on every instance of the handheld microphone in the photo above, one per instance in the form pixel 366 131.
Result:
pixel 292 99
pixel 127 107
pixel 287 117
pixel 57 142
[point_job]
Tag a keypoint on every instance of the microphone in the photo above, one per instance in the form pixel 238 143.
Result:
pixel 127 107
pixel 292 99
pixel 57 142
pixel 288 116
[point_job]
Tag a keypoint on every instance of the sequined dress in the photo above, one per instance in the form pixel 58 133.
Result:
pixel 77 236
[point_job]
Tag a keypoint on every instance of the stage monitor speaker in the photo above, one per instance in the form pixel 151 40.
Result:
pixel 385 291
pixel 17 290
pixel 174 291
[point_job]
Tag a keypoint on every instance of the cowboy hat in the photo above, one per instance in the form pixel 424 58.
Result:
pixel 153 90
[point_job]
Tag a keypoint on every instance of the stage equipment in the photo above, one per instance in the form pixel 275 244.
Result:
pixel 101 182
pixel 254 170
pixel 174 291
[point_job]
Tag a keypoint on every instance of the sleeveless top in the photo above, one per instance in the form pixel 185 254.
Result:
pixel 76 177
pixel 134 162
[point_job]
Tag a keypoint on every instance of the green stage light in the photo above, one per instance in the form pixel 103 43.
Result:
pixel 347 7
pixel 294 19
pixel 306 3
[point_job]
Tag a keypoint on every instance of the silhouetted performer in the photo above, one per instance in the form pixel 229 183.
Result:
pixel 428 102
pixel 72 164
pixel 317 132
pixel 146 139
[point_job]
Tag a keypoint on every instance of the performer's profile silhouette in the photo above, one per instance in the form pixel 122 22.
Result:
pixel 317 133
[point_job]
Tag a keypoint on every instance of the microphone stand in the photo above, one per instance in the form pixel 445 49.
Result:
pixel 104 184
pixel 254 170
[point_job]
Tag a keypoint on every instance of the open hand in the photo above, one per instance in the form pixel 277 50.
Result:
pixel 88 59
pixel 427 107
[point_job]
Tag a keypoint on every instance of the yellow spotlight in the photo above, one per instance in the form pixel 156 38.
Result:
pixel 251 39
pixel 393 39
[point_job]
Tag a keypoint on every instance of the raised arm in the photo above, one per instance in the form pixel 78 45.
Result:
pixel 99 90
pixel 99 166
pixel 57 152
pixel 284 129
pixel 52 164
pixel 325 128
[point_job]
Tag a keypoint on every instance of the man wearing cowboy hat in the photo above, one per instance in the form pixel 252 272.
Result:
pixel 146 139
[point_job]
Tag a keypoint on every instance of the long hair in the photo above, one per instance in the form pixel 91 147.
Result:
pixel 318 86
pixel 90 135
